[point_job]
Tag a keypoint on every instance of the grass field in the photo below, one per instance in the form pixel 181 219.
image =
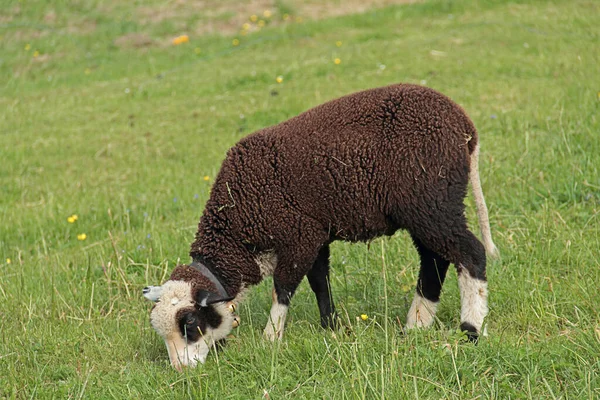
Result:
pixel 101 116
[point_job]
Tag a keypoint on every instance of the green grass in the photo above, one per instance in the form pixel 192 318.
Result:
pixel 123 137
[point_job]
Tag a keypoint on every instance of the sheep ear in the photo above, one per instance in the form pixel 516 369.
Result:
pixel 152 293
pixel 205 298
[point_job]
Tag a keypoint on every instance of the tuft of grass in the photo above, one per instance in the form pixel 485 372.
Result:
pixel 123 136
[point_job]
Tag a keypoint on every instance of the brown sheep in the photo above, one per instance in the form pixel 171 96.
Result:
pixel 355 168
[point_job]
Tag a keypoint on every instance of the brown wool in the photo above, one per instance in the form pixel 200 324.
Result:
pixel 354 168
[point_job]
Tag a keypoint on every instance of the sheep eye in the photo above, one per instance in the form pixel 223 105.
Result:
pixel 190 319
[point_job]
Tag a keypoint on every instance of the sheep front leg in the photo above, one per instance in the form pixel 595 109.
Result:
pixel 291 269
pixel 276 322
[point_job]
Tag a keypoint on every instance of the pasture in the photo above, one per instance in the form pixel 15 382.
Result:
pixel 111 134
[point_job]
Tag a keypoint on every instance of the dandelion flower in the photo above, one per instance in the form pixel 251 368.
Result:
pixel 8 261
pixel 36 54
pixel 364 317
pixel 338 43
pixel 337 61
pixel 71 220
pixel 181 39
pixel 267 13
pixel 81 236
pixel 253 18
pixel 298 19
pixel 75 217
pixel 246 26
pixel 207 178
pixel 279 79
pixel 27 47
pixel 261 23
pixel 235 42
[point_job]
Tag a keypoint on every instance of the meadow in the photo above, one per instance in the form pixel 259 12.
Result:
pixel 111 134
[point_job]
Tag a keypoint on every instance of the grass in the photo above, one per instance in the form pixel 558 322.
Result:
pixel 123 137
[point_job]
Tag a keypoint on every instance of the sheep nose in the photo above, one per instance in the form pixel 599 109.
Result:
pixel 146 290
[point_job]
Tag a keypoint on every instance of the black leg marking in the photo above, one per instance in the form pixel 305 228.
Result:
pixel 318 277
pixel 432 273
pixel 471 332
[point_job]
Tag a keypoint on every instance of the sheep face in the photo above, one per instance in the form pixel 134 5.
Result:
pixel 189 319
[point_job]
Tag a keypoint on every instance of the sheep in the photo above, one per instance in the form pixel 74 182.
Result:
pixel 355 168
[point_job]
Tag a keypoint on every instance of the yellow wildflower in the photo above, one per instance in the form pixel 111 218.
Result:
pixel 36 54
pixel 181 39
pixel 298 19
pixel 207 178
pixel 27 47
pixel 337 61
pixel 246 26
pixel 71 220
pixel 81 236
pixel 253 18
pixel 75 217
pixel 338 43
pixel 235 42
pixel 8 261
pixel 267 13
pixel 279 79
pixel 364 317
pixel 261 23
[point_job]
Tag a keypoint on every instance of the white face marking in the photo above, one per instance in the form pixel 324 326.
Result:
pixel 267 262
pixel 176 295
pixel 163 315
pixel 276 322
pixel 185 354
pixel 421 313
pixel 473 298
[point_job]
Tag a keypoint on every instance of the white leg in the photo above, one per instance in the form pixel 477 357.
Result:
pixel 421 313
pixel 276 322
pixel 473 296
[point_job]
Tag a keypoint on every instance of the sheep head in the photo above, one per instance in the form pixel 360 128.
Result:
pixel 191 314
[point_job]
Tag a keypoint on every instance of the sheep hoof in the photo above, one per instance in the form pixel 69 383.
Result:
pixel 470 331
pixel 271 335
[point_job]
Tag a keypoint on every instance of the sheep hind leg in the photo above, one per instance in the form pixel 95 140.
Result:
pixel 472 284
pixel 455 243
pixel 318 277
pixel 429 286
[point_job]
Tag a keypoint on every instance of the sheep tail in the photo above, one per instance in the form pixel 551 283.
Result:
pixel 482 211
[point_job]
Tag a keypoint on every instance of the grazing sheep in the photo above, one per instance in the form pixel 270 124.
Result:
pixel 355 168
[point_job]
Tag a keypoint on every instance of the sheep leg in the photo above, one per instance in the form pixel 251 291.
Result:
pixel 429 285
pixel 318 277
pixel 294 262
pixel 274 329
pixel 455 243
pixel 472 283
